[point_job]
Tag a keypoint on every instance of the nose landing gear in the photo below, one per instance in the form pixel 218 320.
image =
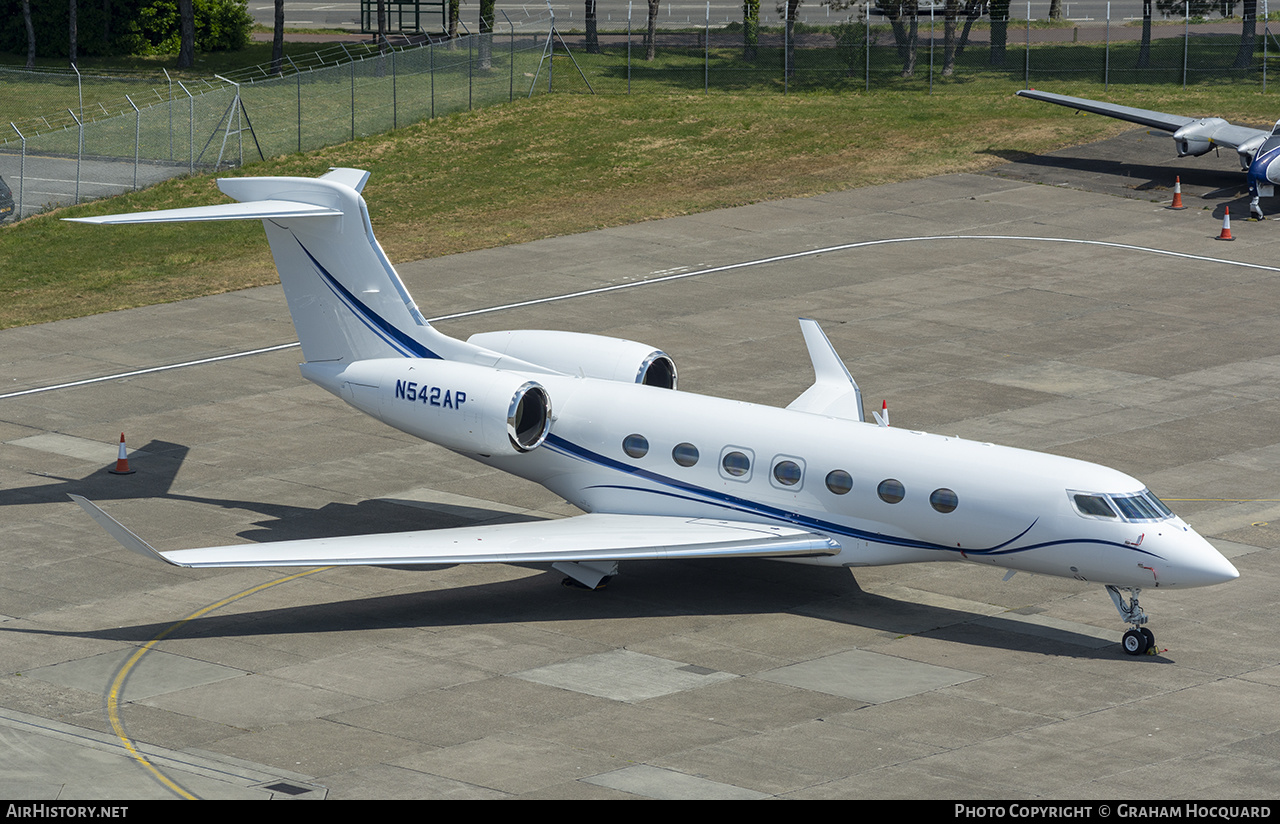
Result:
pixel 1139 640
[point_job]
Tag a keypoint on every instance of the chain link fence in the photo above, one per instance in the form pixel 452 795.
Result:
pixel 135 132
pixel 871 50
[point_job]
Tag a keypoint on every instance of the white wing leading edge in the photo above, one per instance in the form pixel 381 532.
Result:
pixel 593 537
pixel 1213 129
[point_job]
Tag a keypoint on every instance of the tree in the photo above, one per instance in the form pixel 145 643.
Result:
pixel 106 26
pixel 1144 51
pixel 950 23
pixel 31 34
pixel 593 36
pixel 999 31
pixel 792 10
pixel 487 19
pixel 750 29
pixel 277 40
pixel 1248 35
pixel 187 24
pixel 650 46
pixel 903 19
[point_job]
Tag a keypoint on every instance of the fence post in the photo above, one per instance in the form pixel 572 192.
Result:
pixel 1026 65
pixel 706 52
pixel 22 168
pixel 866 15
pixel 170 79
pixel 629 47
pixel 353 96
pixel 191 129
pixel 931 50
pixel 395 114
pixel 79 151
pixel 511 60
pixel 297 75
pixel 137 138
pixel 1106 65
pixel 79 88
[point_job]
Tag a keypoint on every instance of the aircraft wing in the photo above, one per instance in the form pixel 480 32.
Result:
pixel 1214 129
pixel 593 537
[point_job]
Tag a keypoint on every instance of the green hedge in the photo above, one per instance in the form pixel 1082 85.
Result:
pixel 123 27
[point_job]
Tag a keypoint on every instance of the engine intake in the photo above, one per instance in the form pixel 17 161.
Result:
pixel 461 406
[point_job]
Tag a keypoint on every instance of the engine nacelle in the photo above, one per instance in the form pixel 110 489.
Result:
pixel 1195 139
pixel 592 356
pixel 1192 147
pixel 460 406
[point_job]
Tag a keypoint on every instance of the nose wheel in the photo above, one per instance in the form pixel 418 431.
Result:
pixel 1139 640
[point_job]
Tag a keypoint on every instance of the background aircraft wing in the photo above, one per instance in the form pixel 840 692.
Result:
pixel 1214 129
pixel 1143 117
pixel 593 537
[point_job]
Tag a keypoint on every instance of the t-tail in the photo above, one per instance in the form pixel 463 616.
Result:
pixel 364 339
pixel 346 300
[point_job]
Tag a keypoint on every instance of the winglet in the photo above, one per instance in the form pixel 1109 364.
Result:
pixel 834 391
pixel 118 531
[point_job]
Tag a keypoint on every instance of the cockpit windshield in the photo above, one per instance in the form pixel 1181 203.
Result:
pixel 1134 506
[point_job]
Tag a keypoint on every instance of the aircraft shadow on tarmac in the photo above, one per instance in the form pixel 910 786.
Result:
pixel 162 460
pixel 157 464
pixel 1220 185
pixel 646 589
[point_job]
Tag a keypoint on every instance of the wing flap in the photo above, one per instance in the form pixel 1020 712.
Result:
pixel 594 537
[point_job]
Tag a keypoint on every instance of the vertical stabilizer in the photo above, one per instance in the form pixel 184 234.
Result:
pixel 345 297
pixel 346 300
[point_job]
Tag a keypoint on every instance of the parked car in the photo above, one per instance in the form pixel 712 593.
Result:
pixel 6 201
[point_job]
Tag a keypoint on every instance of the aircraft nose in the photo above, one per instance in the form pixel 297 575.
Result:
pixel 1263 170
pixel 1202 565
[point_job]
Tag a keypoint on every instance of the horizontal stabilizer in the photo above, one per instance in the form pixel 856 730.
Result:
pixel 594 537
pixel 254 210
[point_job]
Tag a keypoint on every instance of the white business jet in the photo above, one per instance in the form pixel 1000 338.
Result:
pixel 662 473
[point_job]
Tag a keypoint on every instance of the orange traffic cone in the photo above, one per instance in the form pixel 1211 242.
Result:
pixel 122 462
pixel 1177 194
pixel 1226 225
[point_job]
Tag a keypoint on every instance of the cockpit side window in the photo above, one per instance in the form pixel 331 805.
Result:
pixel 1093 505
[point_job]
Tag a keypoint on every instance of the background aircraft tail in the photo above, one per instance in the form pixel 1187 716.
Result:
pixel 346 300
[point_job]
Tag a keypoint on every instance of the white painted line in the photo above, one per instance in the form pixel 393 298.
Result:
pixel 148 371
pixel 665 279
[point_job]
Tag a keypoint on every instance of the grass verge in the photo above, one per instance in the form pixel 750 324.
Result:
pixel 553 165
